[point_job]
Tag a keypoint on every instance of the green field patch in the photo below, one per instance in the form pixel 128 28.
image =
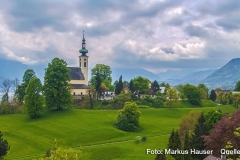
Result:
pixel 92 128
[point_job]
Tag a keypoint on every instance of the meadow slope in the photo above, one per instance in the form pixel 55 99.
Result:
pixel 92 131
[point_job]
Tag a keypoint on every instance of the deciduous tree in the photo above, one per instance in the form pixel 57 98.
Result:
pixel 104 72
pixel 172 96
pixel 5 89
pixel 33 98
pixel 128 117
pixel 222 133
pixel 140 84
pixel 237 86
pixel 193 94
pixel 57 85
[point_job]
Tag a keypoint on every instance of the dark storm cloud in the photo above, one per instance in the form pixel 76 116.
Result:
pixel 168 50
pixel 196 31
pixel 32 15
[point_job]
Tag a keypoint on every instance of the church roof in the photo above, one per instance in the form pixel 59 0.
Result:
pixel 79 86
pixel 76 73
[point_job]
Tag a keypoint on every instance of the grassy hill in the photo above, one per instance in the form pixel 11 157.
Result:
pixel 92 131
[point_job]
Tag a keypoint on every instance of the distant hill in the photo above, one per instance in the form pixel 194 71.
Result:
pixel 193 78
pixel 130 73
pixel 226 76
pixel 11 69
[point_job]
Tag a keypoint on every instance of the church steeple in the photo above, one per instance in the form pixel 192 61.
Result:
pixel 83 50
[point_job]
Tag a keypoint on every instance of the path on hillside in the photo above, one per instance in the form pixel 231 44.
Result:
pixel 92 145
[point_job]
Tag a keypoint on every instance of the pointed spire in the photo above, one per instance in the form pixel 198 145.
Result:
pixel 83 50
pixel 83 35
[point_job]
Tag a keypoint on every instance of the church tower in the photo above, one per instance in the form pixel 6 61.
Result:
pixel 83 60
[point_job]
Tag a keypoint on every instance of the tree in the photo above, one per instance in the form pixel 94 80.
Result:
pixel 237 86
pixel 98 85
pixel 119 100
pixel 140 84
pixel 5 88
pixel 172 96
pixel 211 118
pixel 197 139
pixel 119 86
pixel 224 132
pixel 161 156
pixel 187 124
pixel 4 146
pixel 33 98
pixel 155 86
pixel 57 85
pixel 131 86
pixel 128 117
pixel 213 96
pixel 187 147
pixel 204 91
pixel 193 94
pixel 104 72
pixel 174 143
pixel 21 89
pixel 236 99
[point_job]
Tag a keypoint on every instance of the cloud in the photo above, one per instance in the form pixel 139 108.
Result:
pixel 150 34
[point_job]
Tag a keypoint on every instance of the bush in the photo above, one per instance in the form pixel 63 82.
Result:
pixel 144 138
pixel 128 117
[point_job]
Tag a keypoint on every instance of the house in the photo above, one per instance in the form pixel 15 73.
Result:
pixel 217 91
pixel 79 75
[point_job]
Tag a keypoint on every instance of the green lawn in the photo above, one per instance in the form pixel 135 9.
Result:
pixel 80 128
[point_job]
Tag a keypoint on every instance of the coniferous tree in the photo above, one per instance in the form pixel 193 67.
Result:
pixel 4 146
pixel 197 140
pixel 119 86
pixel 155 86
pixel 187 147
pixel 213 96
pixel 131 86
pixel 174 143
pixel 161 156
pixel 171 144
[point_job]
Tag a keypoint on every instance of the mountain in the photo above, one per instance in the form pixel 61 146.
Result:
pixel 130 73
pixel 193 78
pixel 12 69
pixel 225 77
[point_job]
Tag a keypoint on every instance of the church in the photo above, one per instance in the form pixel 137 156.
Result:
pixel 79 75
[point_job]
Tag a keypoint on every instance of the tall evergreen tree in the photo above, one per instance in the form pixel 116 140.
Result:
pixel 213 96
pixel 161 156
pixel 171 144
pixel 4 146
pixel 119 86
pixel 187 147
pixel 131 86
pixel 155 86
pixel 197 140
pixel 174 143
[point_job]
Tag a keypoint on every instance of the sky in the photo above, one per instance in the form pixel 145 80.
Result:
pixel 157 35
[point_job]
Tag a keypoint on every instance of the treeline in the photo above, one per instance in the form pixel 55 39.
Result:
pixel 32 97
